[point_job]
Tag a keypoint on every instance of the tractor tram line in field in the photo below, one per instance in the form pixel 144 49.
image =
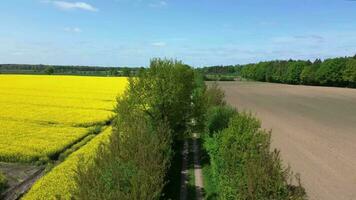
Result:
pixel 34 172
pixel 18 190
pixel 21 188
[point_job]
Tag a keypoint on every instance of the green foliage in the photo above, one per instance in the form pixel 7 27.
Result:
pixel 294 71
pixel 155 109
pixel 242 166
pixel 49 70
pixel 349 74
pixel 218 115
pixel 218 118
pixel 113 72
pixel 228 69
pixel 69 70
pixel 133 166
pixel 3 182
pixel 209 185
pixel 331 72
pixel 219 78
pixel 199 102
pixel 164 92
pixel 126 72
pixel 214 95
pixel 307 77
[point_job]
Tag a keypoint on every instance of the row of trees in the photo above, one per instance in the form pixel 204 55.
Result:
pixel 242 166
pixel 340 72
pixel 161 106
pixel 155 112
pixel 221 69
pixel 72 70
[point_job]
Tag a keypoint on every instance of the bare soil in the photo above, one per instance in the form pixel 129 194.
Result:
pixel 314 127
pixel 20 178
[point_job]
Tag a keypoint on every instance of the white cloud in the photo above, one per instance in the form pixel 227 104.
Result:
pixel 73 29
pixel 65 5
pixel 158 4
pixel 159 44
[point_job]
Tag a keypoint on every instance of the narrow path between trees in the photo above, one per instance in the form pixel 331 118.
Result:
pixel 186 185
pixel 197 169
pixel 184 171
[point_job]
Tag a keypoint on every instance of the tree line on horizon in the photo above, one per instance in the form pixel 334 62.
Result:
pixel 68 70
pixel 339 72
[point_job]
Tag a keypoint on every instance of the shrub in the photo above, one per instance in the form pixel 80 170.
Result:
pixel 218 118
pixel 243 166
pixel 3 183
pixel 215 95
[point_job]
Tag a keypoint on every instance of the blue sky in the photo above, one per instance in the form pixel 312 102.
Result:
pixel 199 32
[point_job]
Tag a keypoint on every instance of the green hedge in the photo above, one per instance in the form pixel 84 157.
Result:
pixel 242 165
pixel 218 118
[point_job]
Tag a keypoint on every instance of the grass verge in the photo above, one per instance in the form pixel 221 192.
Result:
pixel 3 182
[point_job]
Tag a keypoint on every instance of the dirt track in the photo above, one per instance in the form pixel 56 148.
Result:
pixel 314 127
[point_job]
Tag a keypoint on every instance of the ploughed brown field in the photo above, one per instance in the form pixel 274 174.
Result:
pixel 314 127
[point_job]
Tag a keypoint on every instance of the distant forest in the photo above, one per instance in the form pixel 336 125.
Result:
pixel 221 70
pixel 67 70
pixel 339 72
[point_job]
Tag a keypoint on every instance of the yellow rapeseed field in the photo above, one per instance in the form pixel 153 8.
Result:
pixel 42 115
pixel 60 181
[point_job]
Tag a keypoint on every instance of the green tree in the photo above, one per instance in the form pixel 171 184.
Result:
pixel 49 70
pixel 126 72
pixel 293 72
pixel 163 88
pixel 307 75
pixel 156 108
pixel 349 74
pixel 114 72
pixel 330 72
pixel 260 71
